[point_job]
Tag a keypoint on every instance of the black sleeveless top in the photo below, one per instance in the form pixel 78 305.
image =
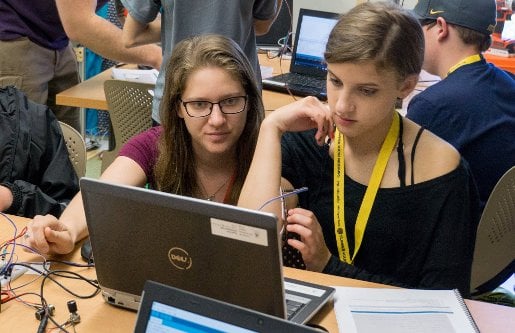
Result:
pixel 418 235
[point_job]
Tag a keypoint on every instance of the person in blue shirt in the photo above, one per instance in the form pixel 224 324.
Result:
pixel 473 106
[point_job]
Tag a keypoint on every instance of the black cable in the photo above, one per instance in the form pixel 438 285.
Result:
pixel 43 323
pixel 63 273
pixel 71 263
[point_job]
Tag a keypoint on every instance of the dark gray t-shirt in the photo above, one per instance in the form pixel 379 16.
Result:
pixel 181 19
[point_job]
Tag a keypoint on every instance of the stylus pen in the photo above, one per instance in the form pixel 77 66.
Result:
pixel 284 195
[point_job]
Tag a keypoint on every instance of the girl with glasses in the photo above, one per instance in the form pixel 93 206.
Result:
pixel 211 112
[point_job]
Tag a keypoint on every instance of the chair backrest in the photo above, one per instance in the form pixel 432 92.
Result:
pixel 130 112
pixel 76 148
pixel 495 241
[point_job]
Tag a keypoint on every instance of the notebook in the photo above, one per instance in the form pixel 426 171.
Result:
pixel 370 310
pixel 219 251
pixel 168 309
pixel 307 76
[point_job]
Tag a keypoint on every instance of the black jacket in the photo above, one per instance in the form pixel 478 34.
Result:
pixel 34 160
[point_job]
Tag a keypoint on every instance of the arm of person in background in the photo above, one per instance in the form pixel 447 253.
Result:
pixel 50 235
pixel 83 25
pixel 136 33
pixel 261 27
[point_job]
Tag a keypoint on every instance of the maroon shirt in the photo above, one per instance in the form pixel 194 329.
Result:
pixel 142 148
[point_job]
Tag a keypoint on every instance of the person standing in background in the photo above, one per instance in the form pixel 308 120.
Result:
pixel 238 20
pixel 35 51
pixel 473 106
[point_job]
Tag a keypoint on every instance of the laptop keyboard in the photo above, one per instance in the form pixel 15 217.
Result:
pixel 298 84
pixel 294 304
pixel 294 79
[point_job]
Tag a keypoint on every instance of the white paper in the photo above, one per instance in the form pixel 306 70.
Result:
pixel 373 310
pixel 239 232
pixel 135 75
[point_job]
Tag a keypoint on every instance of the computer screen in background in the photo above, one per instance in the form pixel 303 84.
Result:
pixel 312 40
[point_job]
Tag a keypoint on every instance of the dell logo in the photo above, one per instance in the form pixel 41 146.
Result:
pixel 179 258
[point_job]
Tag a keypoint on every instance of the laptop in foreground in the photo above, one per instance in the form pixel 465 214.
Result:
pixel 167 309
pixel 219 251
pixel 307 76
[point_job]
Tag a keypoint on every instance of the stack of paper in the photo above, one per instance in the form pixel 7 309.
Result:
pixel 374 310
pixel 135 75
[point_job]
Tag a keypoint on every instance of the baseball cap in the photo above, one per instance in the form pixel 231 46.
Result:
pixel 478 15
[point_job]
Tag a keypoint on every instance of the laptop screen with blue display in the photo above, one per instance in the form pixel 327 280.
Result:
pixel 167 318
pixel 166 309
pixel 312 39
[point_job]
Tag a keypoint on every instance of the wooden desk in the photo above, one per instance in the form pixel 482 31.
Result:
pixel 90 93
pixel 98 316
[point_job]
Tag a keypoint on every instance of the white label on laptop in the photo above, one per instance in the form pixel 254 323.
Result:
pixel 240 232
pixel 300 288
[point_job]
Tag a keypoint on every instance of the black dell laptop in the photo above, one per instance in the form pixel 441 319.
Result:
pixel 220 251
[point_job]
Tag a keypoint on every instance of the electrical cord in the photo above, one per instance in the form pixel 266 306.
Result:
pixel 43 323
pixel 44 311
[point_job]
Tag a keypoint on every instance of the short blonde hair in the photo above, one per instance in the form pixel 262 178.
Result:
pixel 383 32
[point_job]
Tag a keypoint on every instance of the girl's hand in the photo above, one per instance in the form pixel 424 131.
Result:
pixel 311 244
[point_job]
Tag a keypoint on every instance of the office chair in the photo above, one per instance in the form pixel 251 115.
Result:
pixel 494 251
pixel 130 112
pixel 76 148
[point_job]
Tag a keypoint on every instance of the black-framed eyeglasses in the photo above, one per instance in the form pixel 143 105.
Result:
pixel 200 109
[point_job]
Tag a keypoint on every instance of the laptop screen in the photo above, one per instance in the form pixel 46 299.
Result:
pixel 220 251
pixel 169 309
pixel 167 318
pixel 313 31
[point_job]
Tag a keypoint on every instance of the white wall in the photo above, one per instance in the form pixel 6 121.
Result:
pixel 409 4
pixel 335 6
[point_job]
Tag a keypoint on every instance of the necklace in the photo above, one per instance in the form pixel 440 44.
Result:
pixel 212 196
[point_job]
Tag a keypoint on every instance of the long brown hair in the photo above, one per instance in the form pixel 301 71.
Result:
pixel 175 167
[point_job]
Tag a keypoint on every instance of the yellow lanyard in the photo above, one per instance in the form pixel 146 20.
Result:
pixel 468 60
pixel 370 194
